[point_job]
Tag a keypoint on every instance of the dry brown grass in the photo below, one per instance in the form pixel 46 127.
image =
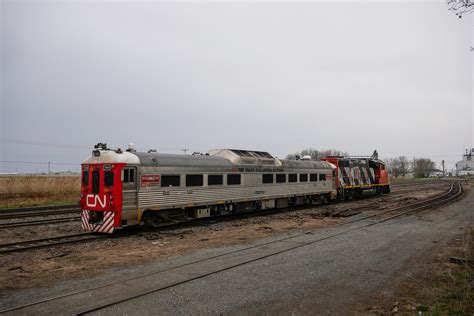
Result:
pixel 23 190
pixel 444 288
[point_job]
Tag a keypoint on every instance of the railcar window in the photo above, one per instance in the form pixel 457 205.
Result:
pixel 170 181
pixel 280 178
pixel 303 177
pixel 292 177
pixel 194 180
pixel 233 179
pixel 129 175
pixel 109 179
pixel 215 179
pixel 322 177
pixel 85 178
pixel 313 177
pixel 267 178
pixel 95 182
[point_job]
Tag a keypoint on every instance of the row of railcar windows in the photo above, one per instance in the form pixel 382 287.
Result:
pixel 292 177
pixel 197 180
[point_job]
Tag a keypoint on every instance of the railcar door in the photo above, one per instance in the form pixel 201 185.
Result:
pixel 129 196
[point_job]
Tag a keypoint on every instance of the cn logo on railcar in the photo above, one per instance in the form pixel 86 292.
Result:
pixel 93 200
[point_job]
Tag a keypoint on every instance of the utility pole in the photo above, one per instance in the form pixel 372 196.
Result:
pixel 49 167
pixel 443 166
pixel 185 150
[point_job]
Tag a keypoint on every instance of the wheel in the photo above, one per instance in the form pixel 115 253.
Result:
pixel 378 191
pixel 324 200
pixel 340 194
pixel 349 195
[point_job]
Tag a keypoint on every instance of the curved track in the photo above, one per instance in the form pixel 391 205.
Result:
pixel 336 210
pixel 454 192
pixel 42 211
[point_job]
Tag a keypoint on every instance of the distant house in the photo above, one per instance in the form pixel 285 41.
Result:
pixel 435 173
pixel 466 165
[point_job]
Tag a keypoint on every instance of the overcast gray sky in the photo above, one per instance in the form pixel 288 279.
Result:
pixel 279 77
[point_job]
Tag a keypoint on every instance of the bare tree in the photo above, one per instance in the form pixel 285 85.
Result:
pixel 398 166
pixel 393 167
pixel 422 167
pixel 316 154
pixel 460 7
pixel 404 165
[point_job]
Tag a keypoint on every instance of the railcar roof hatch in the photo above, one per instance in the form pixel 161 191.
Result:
pixel 240 156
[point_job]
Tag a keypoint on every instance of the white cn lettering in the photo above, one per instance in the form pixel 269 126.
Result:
pixel 95 199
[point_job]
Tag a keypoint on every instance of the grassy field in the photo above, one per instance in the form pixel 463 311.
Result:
pixel 30 190
pixel 447 290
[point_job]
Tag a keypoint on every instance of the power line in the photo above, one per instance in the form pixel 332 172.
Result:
pixel 39 162
pixel 59 145
pixel 33 143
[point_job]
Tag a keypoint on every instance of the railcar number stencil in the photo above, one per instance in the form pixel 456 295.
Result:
pixel 150 180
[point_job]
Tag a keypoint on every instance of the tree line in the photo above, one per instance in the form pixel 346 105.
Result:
pixel 397 167
pixel 401 166
pixel 317 154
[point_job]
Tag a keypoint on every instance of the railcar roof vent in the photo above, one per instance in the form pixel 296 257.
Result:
pixel 306 157
pixel 102 146
pixel 239 156
pixel 131 147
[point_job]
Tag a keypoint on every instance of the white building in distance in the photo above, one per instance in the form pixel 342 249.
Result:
pixel 466 165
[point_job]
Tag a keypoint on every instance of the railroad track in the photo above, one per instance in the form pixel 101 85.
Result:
pixel 39 222
pixel 418 183
pixel 48 242
pixel 38 208
pixel 30 212
pixel 454 192
pixel 113 293
pixel 39 211
pixel 75 238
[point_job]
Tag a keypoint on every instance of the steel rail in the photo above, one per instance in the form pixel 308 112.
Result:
pixel 48 242
pixel 39 222
pixel 444 198
pixel 37 213
pixel 38 208
pixel 431 202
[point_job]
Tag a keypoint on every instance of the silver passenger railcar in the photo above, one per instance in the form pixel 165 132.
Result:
pixel 157 188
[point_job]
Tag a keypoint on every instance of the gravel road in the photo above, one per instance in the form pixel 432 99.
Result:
pixel 329 276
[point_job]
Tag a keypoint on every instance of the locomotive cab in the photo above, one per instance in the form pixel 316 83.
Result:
pixel 104 174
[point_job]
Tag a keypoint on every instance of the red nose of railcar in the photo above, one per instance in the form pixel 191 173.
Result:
pixel 101 196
